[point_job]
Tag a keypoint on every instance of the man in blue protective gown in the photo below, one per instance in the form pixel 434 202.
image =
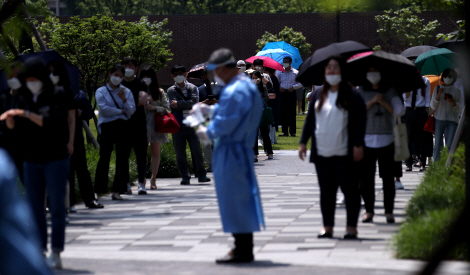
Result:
pixel 234 127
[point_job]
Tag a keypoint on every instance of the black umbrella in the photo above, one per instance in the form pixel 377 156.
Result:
pixel 413 52
pixel 197 70
pixel 312 71
pixel 396 71
pixel 455 45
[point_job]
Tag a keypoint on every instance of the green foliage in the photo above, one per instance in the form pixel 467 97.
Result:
pixel 288 35
pixel 161 7
pixel 454 5
pixel 94 44
pixel 436 204
pixel 402 29
pixel 459 35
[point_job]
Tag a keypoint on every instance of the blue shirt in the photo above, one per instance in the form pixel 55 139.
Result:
pixel 107 108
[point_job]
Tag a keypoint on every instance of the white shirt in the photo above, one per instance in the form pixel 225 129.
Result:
pixel 331 129
pixel 379 141
pixel 421 101
pixel 443 108
pixel 287 79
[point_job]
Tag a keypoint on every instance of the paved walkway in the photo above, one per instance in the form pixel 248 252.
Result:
pixel 176 230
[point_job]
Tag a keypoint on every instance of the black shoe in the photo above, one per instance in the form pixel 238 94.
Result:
pixel 209 170
pixel 324 235
pixel 349 236
pixel 390 219
pixel 204 179
pixel 283 135
pixel 116 197
pixel 293 135
pixel 232 258
pixel 185 182
pixel 368 220
pixel 94 204
pixel 256 159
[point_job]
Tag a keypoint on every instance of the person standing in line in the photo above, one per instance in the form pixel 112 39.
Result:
pixel 115 105
pixel 241 65
pixel 234 124
pixel 157 103
pixel 447 102
pixel 336 123
pixel 78 161
pixel 137 122
pixel 289 98
pixel 383 106
pixel 182 96
pixel 274 102
pixel 417 104
pixel 264 129
pixel 47 156
pixel 13 98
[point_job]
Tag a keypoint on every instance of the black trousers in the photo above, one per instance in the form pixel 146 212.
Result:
pixel 288 112
pixel 138 142
pixel 113 133
pixel 387 171
pixel 243 244
pixel 415 119
pixel 78 164
pixel 266 141
pixel 333 172
pixel 179 143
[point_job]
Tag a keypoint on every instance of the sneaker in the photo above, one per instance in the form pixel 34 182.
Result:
pixel 73 209
pixel 185 181
pixel 54 261
pixel 141 189
pixel 204 179
pixel 398 185
pixel 129 190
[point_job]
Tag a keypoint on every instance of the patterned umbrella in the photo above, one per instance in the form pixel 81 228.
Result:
pixel 197 70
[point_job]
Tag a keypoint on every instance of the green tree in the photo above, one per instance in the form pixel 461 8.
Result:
pixel 402 29
pixel 459 34
pixel 288 35
pixel 95 44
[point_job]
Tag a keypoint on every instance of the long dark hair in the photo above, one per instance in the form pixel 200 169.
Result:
pixel 260 84
pixel 344 88
pixel 154 87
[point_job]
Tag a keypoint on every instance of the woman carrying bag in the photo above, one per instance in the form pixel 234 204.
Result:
pixel 156 103
pixel 336 123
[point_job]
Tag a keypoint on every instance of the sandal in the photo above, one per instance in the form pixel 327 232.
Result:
pixel 153 184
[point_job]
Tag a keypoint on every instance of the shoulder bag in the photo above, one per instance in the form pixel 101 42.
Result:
pixel 400 139
pixel 267 118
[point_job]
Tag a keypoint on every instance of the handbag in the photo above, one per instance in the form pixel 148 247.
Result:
pixel 400 139
pixel 267 118
pixel 166 123
pixel 429 126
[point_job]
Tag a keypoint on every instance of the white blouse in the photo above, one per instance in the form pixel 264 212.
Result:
pixel 331 129
pixel 443 108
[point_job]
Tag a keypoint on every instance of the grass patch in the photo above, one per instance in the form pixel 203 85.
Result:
pixel 290 143
pixel 436 204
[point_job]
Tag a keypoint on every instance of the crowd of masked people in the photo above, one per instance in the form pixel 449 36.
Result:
pixel 352 128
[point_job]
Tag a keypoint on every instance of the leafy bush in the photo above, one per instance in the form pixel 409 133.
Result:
pixel 436 204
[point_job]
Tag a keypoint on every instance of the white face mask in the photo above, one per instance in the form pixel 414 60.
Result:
pixel 286 65
pixel 448 80
pixel 256 81
pixel 34 86
pixel 14 83
pixel 128 72
pixel 179 79
pixel 116 80
pixel 219 80
pixel 333 79
pixel 243 69
pixel 147 80
pixel 374 77
pixel 54 78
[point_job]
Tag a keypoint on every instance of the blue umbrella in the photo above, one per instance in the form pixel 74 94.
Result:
pixel 296 58
pixel 277 55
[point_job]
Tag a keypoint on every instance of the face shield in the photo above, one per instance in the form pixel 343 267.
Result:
pixel 215 79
